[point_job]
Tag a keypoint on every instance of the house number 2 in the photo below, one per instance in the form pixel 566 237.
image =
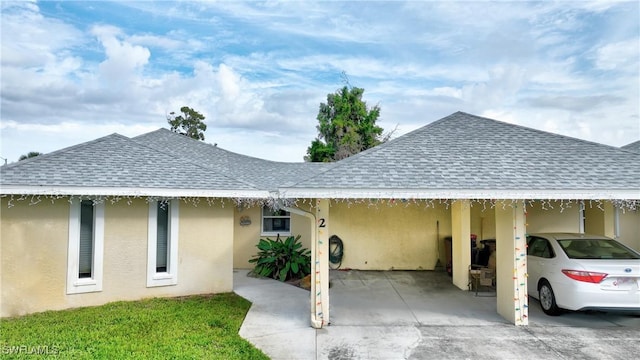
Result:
pixel 322 223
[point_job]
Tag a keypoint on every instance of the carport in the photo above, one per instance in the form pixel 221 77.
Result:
pixel 512 302
pixel 513 170
pixel 511 222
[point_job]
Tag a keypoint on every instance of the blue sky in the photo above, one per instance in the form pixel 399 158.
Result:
pixel 73 71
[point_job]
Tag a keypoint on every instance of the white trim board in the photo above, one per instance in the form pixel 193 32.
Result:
pixel 597 194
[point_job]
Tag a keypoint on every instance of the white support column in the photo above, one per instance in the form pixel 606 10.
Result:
pixel 461 243
pixel 320 267
pixel 511 262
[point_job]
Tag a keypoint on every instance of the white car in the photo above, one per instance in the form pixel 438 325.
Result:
pixel 582 272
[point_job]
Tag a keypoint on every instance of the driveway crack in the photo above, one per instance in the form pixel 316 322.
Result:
pixel 403 300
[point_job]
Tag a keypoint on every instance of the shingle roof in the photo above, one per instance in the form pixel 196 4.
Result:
pixel 459 156
pixel 477 156
pixel 115 161
pixel 634 146
pixel 265 174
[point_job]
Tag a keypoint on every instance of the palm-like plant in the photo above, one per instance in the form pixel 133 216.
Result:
pixel 282 260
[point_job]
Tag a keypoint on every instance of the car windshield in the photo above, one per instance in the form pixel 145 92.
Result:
pixel 596 249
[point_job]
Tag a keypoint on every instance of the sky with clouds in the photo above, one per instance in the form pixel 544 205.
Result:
pixel 73 71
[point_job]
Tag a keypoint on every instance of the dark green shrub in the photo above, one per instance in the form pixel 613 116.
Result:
pixel 282 260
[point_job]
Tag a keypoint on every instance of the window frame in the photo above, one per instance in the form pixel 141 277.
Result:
pixel 273 233
pixel 76 284
pixel 169 277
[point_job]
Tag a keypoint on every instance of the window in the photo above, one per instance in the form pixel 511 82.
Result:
pixel 540 247
pixel 86 240
pixel 86 243
pixel 276 222
pixel 596 249
pixel 162 242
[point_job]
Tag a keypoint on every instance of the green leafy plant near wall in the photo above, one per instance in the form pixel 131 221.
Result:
pixel 282 260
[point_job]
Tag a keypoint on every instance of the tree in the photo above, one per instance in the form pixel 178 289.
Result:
pixel 346 127
pixel 29 155
pixel 189 123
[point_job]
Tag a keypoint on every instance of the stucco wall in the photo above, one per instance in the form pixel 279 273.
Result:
pixel 552 217
pixel 629 228
pixel 246 237
pixel 34 255
pixel 628 225
pixel 386 237
pixel 483 221
pixel 594 220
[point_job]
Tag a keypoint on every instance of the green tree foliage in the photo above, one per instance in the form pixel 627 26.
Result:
pixel 346 127
pixel 282 260
pixel 29 155
pixel 189 123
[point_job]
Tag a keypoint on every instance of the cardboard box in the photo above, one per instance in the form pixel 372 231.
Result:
pixel 487 276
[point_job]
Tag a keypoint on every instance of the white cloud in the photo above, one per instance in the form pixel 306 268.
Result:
pixel 21 138
pixel 123 60
pixel 550 125
pixel 574 103
pixel 73 129
pixel 258 71
pixel 622 55
pixel 164 42
pixel 272 145
pixel 504 83
pixel 30 40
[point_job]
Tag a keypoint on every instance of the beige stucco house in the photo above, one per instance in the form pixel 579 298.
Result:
pixel 164 215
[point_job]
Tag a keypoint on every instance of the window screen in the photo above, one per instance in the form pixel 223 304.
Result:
pixel 86 239
pixel 278 221
pixel 162 244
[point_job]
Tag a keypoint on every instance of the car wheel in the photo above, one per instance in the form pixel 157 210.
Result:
pixel 548 299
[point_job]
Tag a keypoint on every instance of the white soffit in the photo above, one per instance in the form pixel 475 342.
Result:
pixel 600 194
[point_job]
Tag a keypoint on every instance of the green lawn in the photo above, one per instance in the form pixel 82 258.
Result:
pixel 193 327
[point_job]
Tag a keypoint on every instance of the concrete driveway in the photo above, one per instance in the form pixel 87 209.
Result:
pixel 420 315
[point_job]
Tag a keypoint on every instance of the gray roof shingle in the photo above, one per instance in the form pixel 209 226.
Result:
pixel 115 161
pixel 634 146
pixel 267 175
pixel 460 155
pixel 467 152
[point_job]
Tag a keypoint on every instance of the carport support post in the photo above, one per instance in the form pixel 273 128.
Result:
pixel 511 262
pixel 461 245
pixel 320 266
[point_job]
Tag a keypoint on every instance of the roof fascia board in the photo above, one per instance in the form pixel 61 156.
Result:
pixel 110 191
pixel 597 194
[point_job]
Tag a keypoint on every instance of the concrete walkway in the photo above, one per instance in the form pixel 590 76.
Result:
pixel 420 315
